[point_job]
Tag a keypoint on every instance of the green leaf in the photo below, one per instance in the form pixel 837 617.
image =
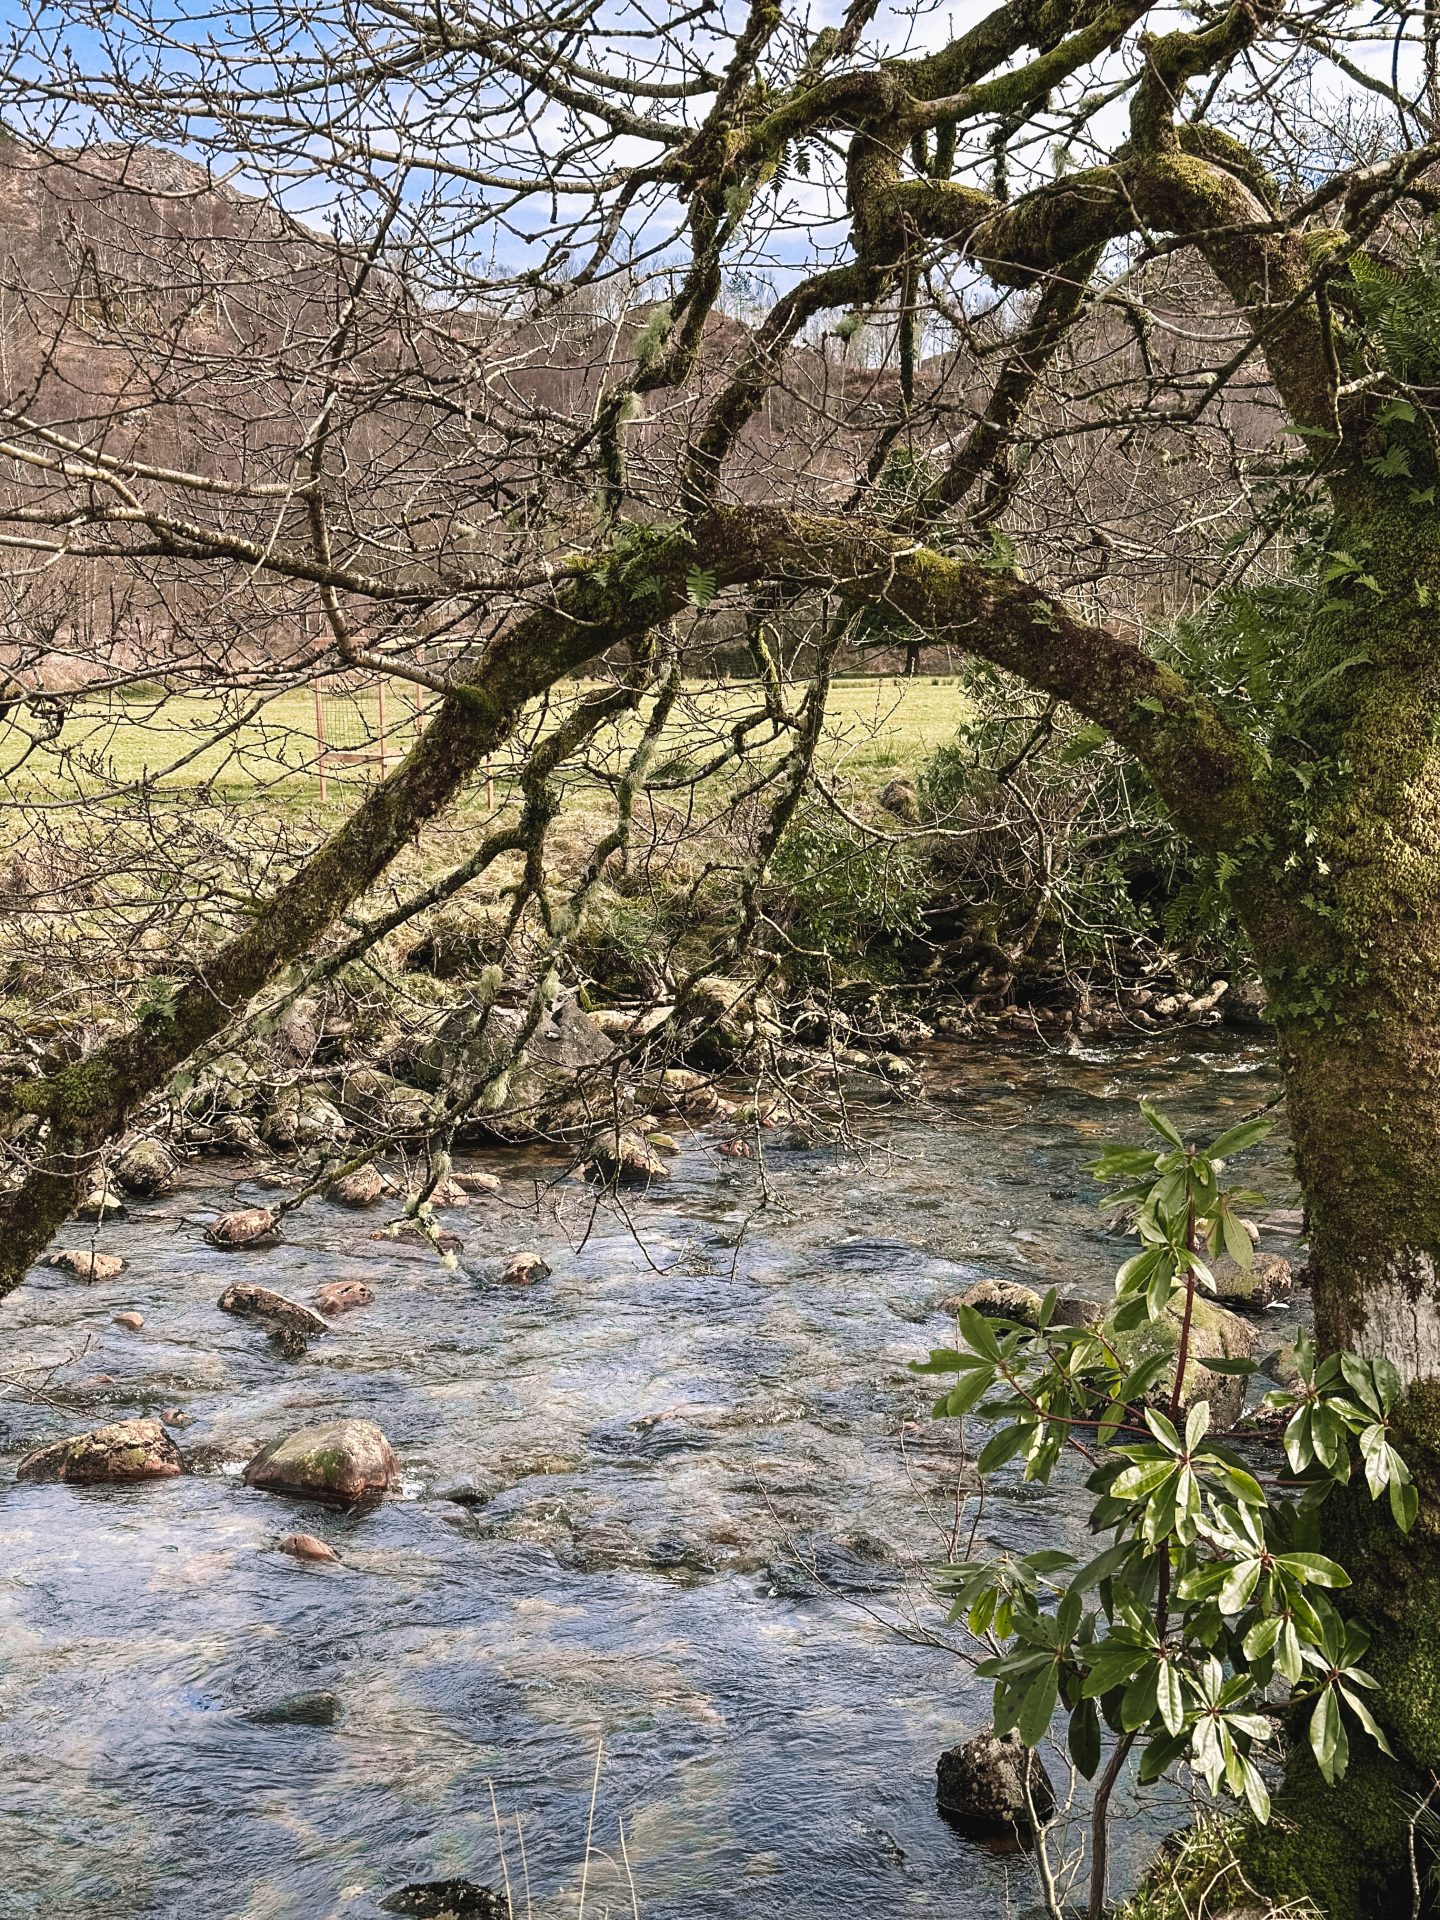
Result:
pixel 1240 1583
pixel 700 586
pixel 1161 1125
pixel 1314 1569
pixel 977 1332
pixel 1404 1503
pixel 1328 1739
pixel 1170 1695
pixel 1249 1133
pixel 1000 1447
pixel 1038 1708
pixel 1084 1739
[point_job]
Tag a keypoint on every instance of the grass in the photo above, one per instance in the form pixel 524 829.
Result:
pixel 245 747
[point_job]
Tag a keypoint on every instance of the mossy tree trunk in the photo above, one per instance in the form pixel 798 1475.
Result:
pixel 1344 905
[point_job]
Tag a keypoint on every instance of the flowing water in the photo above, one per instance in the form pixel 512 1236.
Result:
pixel 699 1489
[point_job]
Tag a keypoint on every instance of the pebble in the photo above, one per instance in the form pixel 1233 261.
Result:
pixel 132 1322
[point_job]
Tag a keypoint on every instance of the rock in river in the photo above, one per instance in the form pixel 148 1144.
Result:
pixel 304 1546
pixel 1000 1300
pixel 446 1900
pixel 1267 1282
pixel 146 1169
pixel 85 1265
pixel 340 1296
pixel 524 1270
pixel 981 1785
pixel 348 1460
pixel 1215 1334
pixel 129 1450
pixel 247 1228
pixel 361 1187
pixel 102 1202
pixel 624 1157
pixel 263 1303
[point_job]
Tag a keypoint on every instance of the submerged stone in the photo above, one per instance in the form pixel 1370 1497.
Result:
pixel 524 1270
pixel 1000 1300
pixel 361 1187
pixel 624 1157
pixel 300 1710
pixel 1215 1334
pixel 346 1461
pixel 304 1546
pixel 342 1296
pixel 128 1450
pixel 446 1900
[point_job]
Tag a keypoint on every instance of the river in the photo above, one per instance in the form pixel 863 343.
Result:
pixel 699 1491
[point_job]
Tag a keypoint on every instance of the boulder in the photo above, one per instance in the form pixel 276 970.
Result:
pixel 981 1788
pixel 1267 1282
pixel 342 1296
pixel 361 1187
pixel 304 1546
pixel 380 1101
pixel 102 1202
pixel 470 1180
pixel 145 1168
pixel 263 1303
pixel 129 1450
pixel 624 1158
pixel 236 1133
pixel 1215 1334
pixel 346 1461
pixel 1000 1300
pixel 249 1227
pixel 900 798
pixel 446 1900
pixel 524 1270
pixel 85 1264
pixel 1073 1310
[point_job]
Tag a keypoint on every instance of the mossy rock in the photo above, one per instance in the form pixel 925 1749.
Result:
pixel 1215 1334
pixel 999 1300
pixel 128 1450
pixel 346 1461
pixel 146 1168
pixel 1267 1282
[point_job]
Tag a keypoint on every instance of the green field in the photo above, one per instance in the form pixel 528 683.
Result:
pixel 266 745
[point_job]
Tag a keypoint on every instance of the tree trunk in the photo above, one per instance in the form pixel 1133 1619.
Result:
pixel 1346 924
pixel 1365 1112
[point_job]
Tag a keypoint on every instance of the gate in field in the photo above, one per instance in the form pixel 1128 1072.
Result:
pixel 364 721
pixel 367 721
